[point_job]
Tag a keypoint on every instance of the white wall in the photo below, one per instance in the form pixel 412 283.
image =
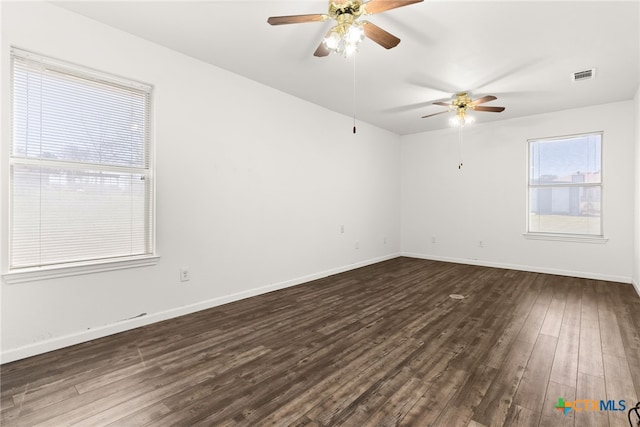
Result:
pixel 253 186
pixel 636 235
pixel 486 199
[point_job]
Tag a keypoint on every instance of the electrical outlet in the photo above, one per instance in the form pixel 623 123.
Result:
pixel 433 239
pixel 384 240
pixel 357 244
pixel 185 275
pixel 480 244
pixel 342 229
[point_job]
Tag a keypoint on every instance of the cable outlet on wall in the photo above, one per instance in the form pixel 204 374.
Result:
pixel 185 275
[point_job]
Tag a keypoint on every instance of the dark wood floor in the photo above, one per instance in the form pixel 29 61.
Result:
pixel 377 346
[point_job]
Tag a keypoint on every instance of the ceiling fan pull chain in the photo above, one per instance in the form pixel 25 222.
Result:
pixel 354 94
pixel 460 145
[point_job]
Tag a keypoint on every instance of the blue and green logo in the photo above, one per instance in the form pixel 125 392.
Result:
pixel 590 405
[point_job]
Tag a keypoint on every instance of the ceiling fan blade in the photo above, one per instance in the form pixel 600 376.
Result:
pixel 435 114
pixel 297 19
pixel 377 6
pixel 490 109
pixel 380 36
pixel 444 104
pixel 483 100
pixel 322 49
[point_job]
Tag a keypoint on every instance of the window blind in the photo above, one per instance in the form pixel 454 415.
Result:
pixel 80 168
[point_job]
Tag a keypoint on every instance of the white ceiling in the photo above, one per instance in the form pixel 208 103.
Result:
pixel 523 52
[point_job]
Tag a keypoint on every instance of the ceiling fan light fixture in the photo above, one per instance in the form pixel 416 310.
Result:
pixel 355 34
pixel 344 39
pixel 461 120
pixel 350 49
pixel 332 41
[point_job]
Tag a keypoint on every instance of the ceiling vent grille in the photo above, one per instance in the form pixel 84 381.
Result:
pixel 579 76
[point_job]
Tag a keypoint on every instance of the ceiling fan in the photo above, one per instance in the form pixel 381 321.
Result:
pixel 348 31
pixel 462 102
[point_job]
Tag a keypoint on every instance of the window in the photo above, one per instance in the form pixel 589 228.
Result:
pixel 565 186
pixel 81 173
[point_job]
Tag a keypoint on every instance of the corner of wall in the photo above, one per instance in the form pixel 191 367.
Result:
pixel 636 232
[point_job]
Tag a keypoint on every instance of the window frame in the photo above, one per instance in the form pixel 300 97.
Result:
pixel 560 236
pixel 70 268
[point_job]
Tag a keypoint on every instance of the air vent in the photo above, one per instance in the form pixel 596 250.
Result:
pixel 579 76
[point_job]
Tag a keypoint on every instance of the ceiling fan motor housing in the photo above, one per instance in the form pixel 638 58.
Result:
pixel 462 101
pixel 348 10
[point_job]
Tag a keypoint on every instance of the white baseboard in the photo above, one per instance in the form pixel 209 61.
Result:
pixel 125 325
pixel 637 286
pixel 533 269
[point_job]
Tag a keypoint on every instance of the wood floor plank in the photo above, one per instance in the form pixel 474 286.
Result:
pixel 426 409
pixel 521 417
pixel 532 388
pixel 145 416
pixel 37 400
pixel 381 345
pixel 590 350
pixel 573 307
pixel 619 386
pixel 531 328
pixel 590 387
pixel 609 330
pixel 627 315
pixel 633 359
pixel 565 360
pixel 495 404
pixel 555 313
pixel 396 406
pixel 513 322
pixel 6 403
pixel 459 411
pixel 552 416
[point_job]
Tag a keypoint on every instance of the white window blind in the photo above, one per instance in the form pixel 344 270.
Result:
pixel 81 175
pixel 565 185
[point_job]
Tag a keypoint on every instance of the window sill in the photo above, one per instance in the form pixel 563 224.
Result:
pixel 566 238
pixel 43 273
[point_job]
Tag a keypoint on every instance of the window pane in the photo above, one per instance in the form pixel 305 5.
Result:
pixel 568 160
pixel 64 117
pixel 564 209
pixel 65 215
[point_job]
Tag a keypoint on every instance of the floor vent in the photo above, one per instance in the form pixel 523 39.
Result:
pixel 579 76
pixel 456 296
